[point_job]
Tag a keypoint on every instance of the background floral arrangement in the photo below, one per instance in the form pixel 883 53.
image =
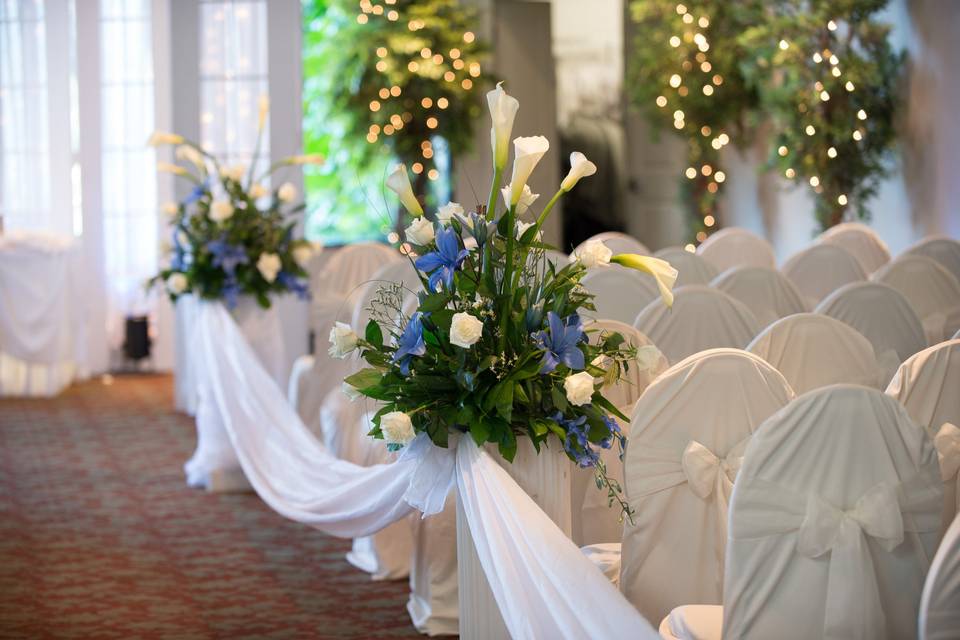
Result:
pixel 231 236
pixel 496 347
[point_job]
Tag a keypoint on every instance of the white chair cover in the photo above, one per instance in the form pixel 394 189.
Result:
pixel 593 520
pixel 701 318
pixel 946 251
pixel 833 521
pixel 619 294
pixel 736 247
pixel 688 433
pixel 542 584
pixel 820 270
pixel 883 316
pixel 940 602
pixel 861 242
pixel 42 314
pixel 813 350
pixel 932 291
pixel 617 242
pixel 765 291
pixel 928 385
pixel 691 268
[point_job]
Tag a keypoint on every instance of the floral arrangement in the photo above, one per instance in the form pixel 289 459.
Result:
pixel 231 236
pixel 496 347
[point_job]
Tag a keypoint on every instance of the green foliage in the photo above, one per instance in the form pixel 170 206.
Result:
pixel 833 95
pixel 343 85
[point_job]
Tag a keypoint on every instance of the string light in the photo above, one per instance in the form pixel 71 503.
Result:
pixel 832 152
pixel 842 200
pixel 690 248
pixel 661 101
pixel 708 220
pixel 691 173
pixel 719 176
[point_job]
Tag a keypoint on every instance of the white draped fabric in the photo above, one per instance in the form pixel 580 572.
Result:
pixel 813 350
pixel 42 314
pixel 766 292
pixel 688 434
pixel 820 270
pixel 838 499
pixel 619 294
pixel 691 268
pixel 736 247
pixel 542 584
pixel 617 242
pixel 883 316
pixel 946 251
pixel 927 385
pixel 932 291
pixel 434 604
pixel 940 603
pixel 701 318
pixel 861 242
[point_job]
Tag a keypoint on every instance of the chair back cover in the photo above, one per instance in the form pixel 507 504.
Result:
pixel 688 434
pixel 820 270
pixel 946 251
pixel 701 318
pixel 691 268
pixel 355 264
pixel 813 350
pixel 594 521
pixel 883 316
pixel 833 521
pixel 618 243
pixel 932 291
pixel 861 242
pixel 928 385
pixel 940 602
pixel 399 272
pixel 736 247
pixel 766 292
pixel 619 294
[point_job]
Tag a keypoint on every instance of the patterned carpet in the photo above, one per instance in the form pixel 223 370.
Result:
pixel 101 538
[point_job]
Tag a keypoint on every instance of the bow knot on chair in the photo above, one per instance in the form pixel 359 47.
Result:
pixel 706 472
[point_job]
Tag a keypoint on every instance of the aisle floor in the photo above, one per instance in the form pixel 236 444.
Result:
pixel 100 537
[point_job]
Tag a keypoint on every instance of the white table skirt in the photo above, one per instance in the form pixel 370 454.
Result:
pixel 42 319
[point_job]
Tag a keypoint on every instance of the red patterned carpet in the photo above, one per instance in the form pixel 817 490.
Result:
pixel 101 538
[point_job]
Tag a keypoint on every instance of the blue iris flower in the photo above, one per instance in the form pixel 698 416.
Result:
pixel 227 256
pixel 294 285
pixel 576 442
pixel 442 263
pixel 561 343
pixel 180 260
pixel 196 194
pixel 411 343
pixel 614 432
pixel 231 291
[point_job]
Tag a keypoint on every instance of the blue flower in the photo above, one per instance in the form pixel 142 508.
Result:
pixel 442 263
pixel 411 343
pixel 231 291
pixel 615 432
pixel 197 193
pixel 294 285
pixel 227 256
pixel 576 443
pixel 561 343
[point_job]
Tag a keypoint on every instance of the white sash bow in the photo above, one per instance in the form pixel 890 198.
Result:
pixel 434 475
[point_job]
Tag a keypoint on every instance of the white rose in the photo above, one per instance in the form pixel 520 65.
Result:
pixel 343 340
pixel 221 210
pixel 648 357
pixel 447 211
pixel 527 198
pixel 420 231
pixel 579 388
pixel 350 391
pixel 397 427
pixel 302 253
pixel 171 209
pixel 580 167
pixel 287 192
pixel 269 265
pixel 465 330
pixel 257 191
pixel 176 283
pixel 593 254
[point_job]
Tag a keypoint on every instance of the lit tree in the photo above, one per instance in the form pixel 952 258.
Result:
pixel 829 78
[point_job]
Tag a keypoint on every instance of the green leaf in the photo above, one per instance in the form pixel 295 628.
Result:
pixel 559 400
pixel 374 334
pixel 600 401
pixel 365 379
pixel 508 446
pixel 480 430
pixel 434 302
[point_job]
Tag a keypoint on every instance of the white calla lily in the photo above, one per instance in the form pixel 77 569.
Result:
pixel 661 270
pixel 399 182
pixel 503 110
pixel 580 167
pixel 527 153
pixel 527 198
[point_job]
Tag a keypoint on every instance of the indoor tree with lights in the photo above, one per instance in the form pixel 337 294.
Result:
pixel 830 79
pixel 685 77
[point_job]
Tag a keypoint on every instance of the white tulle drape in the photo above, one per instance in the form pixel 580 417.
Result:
pixel 542 584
